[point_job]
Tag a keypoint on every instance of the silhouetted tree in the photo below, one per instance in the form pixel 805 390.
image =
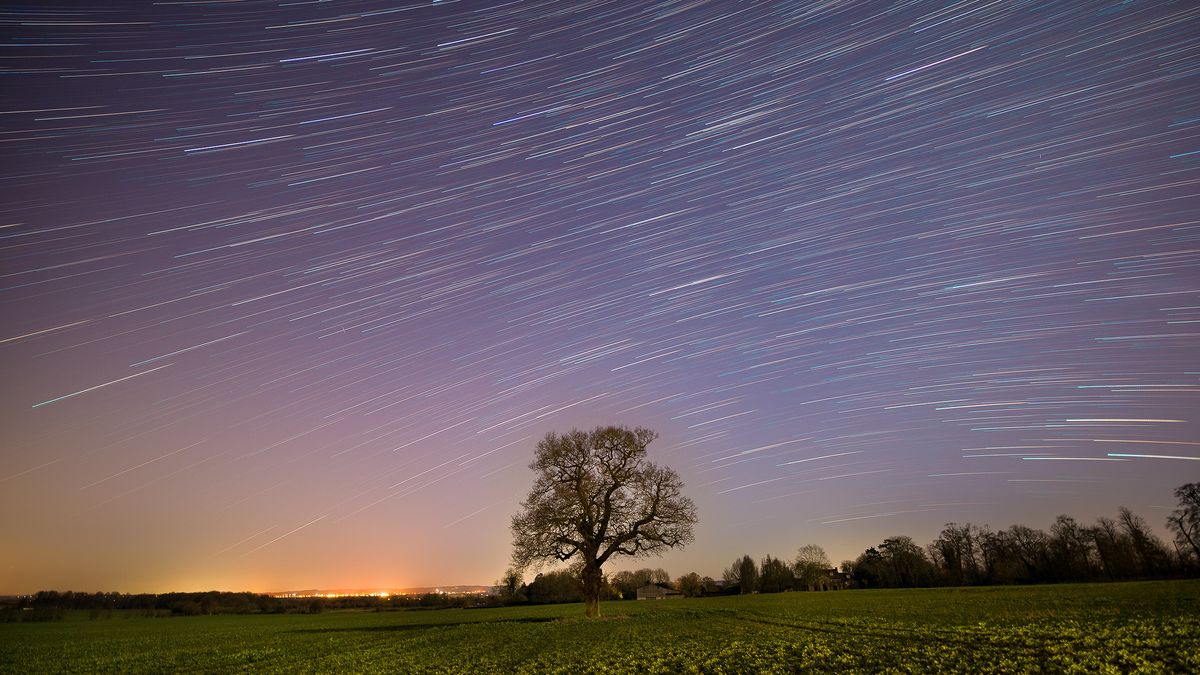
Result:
pixel 1032 551
pixel 627 582
pixel 810 566
pixel 897 562
pixel 557 586
pixel 1072 550
pixel 510 583
pixel 595 496
pixel 1152 555
pixel 957 552
pixel 775 575
pixel 998 552
pixel 690 585
pixel 1114 549
pixel 743 573
pixel 869 570
pixel 1185 520
pixel 909 565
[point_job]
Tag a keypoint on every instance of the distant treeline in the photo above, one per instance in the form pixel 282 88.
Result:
pixel 52 605
pixel 966 554
pixel 48 605
pixel 564 586
pixel 972 555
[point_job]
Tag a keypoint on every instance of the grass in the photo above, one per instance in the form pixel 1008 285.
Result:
pixel 1086 628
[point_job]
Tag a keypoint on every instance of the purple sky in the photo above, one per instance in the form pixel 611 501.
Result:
pixel 292 289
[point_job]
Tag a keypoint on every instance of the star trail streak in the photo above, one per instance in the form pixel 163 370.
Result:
pixel 866 267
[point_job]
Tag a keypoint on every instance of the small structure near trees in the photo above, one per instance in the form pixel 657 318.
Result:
pixel 657 592
pixel 833 580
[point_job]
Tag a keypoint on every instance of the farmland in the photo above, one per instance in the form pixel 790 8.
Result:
pixel 1142 626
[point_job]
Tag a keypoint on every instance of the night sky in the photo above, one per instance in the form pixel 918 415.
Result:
pixel 290 290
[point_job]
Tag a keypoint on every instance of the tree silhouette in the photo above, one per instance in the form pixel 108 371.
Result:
pixel 743 574
pixel 596 496
pixel 810 566
pixel 510 583
pixel 690 585
pixel 1151 553
pixel 1185 520
pixel 775 575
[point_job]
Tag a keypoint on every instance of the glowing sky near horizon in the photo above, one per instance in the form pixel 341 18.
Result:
pixel 290 290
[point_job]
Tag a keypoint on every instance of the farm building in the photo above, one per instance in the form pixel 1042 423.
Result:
pixel 657 592
pixel 834 580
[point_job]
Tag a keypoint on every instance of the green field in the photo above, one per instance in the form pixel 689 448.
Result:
pixel 1087 628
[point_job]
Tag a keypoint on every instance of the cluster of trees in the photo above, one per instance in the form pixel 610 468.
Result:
pixel 1110 549
pixel 774 575
pixel 560 586
pixel 565 585
pixel 624 584
pixel 745 575
pixel 771 575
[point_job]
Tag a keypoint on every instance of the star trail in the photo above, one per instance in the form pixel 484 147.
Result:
pixel 290 290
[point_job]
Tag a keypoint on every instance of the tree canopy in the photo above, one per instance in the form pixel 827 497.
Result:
pixel 743 573
pixel 811 564
pixel 595 496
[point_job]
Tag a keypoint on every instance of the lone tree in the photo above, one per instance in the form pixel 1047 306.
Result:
pixel 595 496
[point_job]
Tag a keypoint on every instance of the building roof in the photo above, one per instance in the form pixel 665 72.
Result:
pixel 657 589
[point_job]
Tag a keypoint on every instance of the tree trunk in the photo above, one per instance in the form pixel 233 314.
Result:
pixel 592 585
